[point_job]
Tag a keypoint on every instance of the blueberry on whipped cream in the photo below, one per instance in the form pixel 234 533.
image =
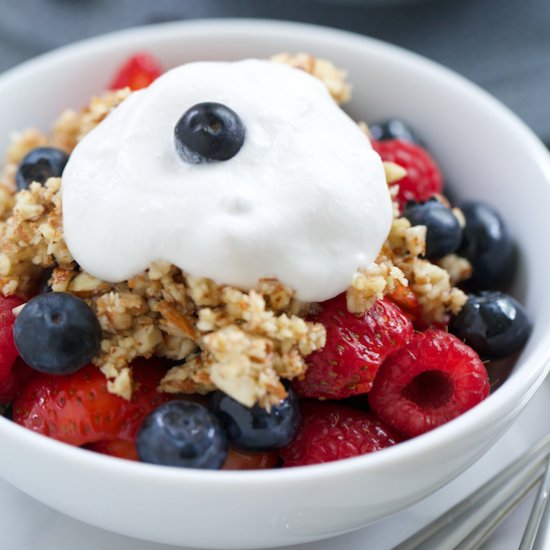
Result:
pixel 208 132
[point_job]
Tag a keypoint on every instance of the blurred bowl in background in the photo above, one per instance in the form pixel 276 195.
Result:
pixel 373 3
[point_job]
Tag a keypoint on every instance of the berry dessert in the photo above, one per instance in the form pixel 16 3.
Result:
pixel 215 267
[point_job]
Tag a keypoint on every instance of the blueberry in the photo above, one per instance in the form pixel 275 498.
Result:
pixel 493 324
pixel 487 245
pixel 444 233
pixel 57 333
pixel 39 165
pixel 393 129
pixel 183 434
pixel 208 132
pixel 255 428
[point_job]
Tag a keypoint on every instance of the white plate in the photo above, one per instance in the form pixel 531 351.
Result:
pixel 28 525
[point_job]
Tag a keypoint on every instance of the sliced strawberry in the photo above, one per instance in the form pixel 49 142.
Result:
pixel 430 381
pixel 406 299
pixel 137 72
pixel 119 448
pixel 20 375
pixel 423 179
pixel 357 344
pixel 78 409
pixel 246 460
pixel 331 432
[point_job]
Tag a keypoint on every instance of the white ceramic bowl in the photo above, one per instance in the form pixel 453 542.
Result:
pixel 486 152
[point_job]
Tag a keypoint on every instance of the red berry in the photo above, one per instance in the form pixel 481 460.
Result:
pixel 20 374
pixel 331 432
pixel 406 299
pixel 246 460
pixel 116 447
pixel 423 179
pixel 137 72
pixel 78 409
pixel 430 381
pixel 8 351
pixel 357 344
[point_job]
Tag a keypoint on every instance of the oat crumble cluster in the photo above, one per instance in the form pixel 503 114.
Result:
pixel 243 343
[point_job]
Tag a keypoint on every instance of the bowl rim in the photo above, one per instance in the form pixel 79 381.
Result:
pixel 517 394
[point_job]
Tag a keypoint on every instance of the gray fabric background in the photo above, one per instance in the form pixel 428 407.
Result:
pixel 503 45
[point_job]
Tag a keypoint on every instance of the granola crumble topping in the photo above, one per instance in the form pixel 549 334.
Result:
pixel 332 77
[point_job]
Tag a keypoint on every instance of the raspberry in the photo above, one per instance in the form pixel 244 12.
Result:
pixel 357 344
pixel 423 179
pixel 331 432
pixel 137 72
pixel 430 381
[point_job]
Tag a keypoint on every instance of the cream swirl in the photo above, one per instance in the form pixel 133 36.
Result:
pixel 305 199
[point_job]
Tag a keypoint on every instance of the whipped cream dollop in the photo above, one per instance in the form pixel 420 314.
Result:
pixel 305 199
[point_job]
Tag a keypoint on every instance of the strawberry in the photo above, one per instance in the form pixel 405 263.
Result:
pixel 406 299
pixel 119 448
pixel 423 179
pixel 357 344
pixel 137 72
pixel 238 459
pixel 20 374
pixel 331 432
pixel 78 409
pixel 430 381
pixel 8 352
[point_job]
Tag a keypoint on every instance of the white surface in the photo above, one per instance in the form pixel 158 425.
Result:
pixel 504 165
pixel 29 525
pixel 273 210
